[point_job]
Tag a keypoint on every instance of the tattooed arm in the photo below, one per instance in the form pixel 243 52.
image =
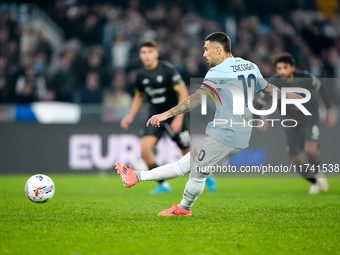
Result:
pixel 186 105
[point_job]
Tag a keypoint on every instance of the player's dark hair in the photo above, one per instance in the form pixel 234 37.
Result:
pixel 286 58
pixel 221 38
pixel 148 43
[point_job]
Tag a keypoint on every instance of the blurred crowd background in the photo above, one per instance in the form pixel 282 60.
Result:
pixel 97 58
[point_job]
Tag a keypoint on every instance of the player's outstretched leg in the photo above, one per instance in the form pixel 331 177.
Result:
pixel 169 171
pixel 128 175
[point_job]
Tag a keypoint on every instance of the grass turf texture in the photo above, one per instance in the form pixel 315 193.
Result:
pixel 94 214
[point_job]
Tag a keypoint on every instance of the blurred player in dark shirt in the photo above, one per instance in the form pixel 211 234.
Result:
pixel 304 138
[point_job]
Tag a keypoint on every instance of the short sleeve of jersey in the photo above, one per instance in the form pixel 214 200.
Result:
pixel 138 84
pixel 176 78
pixel 209 79
pixel 261 83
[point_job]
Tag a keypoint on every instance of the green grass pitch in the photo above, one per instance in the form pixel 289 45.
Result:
pixel 95 214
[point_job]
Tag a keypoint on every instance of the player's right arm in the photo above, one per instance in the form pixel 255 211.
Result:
pixel 136 104
pixel 186 105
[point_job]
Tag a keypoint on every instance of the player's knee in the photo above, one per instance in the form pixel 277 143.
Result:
pixel 148 157
pixel 182 166
pixel 311 151
pixel 297 162
pixel 146 151
pixel 146 148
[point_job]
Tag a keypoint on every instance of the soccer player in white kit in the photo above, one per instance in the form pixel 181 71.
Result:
pixel 223 141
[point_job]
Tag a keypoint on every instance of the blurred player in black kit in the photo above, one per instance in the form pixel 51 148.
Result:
pixel 304 138
pixel 164 88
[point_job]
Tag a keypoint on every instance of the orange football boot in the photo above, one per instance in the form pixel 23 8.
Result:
pixel 175 211
pixel 128 175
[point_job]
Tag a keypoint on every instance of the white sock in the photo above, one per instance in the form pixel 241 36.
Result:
pixel 193 189
pixel 169 171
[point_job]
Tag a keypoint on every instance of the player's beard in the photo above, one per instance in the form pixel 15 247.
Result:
pixel 212 63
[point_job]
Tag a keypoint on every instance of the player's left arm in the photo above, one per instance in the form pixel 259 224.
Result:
pixel 330 119
pixel 186 105
pixel 268 88
pixel 268 91
pixel 182 91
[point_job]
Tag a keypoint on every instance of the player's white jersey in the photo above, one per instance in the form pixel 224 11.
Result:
pixel 233 130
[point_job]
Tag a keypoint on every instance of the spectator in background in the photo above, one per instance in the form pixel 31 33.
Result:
pixel 31 83
pixel 192 69
pixel 115 95
pixel 120 52
pixel 43 46
pixel 90 31
pixel 4 36
pixel 35 45
pixel 50 95
pixel 13 56
pixel 92 93
pixel 315 66
pixel 27 93
pixel 40 63
pixel 177 60
pixel 29 39
pixel 25 61
pixel 130 82
pixel 58 12
pixel 17 69
pixel 259 31
pixel 73 51
pixel 3 90
pixel 95 64
pixel 117 98
pixel 3 66
pixel 64 82
pixel 72 22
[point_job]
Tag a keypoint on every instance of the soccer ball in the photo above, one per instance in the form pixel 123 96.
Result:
pixel 39 188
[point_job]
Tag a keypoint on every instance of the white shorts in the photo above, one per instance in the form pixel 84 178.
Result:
pixel 211 153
